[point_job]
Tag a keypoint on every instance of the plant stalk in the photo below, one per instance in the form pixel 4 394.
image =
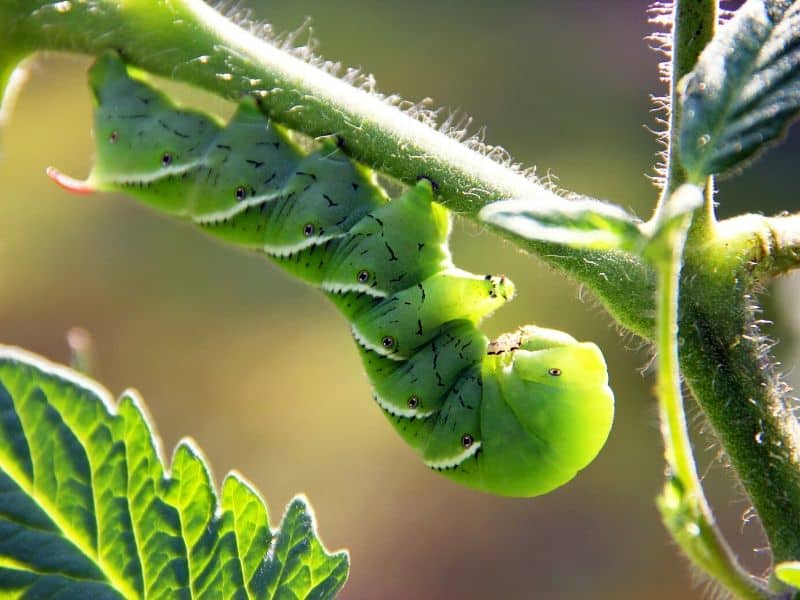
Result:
pixel 684 508
pixel 693 25
pixel 723 356
pixel 188 41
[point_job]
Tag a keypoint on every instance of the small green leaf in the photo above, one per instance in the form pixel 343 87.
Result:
pixel 671 221
pixel 88 509
pixel 744 90
pixel 788 573
pixel 585 223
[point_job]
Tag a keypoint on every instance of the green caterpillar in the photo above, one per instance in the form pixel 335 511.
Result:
pixel 518 416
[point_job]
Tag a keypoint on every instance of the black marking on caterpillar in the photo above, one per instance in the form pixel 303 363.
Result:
pixel 473 409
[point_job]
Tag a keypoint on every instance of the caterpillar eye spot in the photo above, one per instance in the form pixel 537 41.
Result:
pixel 413 315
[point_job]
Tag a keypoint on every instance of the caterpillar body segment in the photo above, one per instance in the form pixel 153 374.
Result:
pixel 408 260
pixel 518 416
pixel 418 387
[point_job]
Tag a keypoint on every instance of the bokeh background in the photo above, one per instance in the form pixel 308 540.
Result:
pixel 260 369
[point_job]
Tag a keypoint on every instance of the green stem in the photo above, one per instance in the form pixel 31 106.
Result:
pixel 771 243
pixel 678 449
pixel 683 506
pixel 189 41
pixel 783 246
pixel 722 354
pixel 693 25
pixel 725 361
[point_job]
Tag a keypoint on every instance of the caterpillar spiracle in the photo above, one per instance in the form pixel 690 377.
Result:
pixel 518 416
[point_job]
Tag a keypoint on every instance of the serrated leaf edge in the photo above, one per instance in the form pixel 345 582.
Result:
pixel 26 357
pixel 29 358
pixel 750 10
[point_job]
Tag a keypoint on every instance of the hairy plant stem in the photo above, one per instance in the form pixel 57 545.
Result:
pixel 693 25
pixel 724 359
pixel 772 243
pixel 684 508
pixel 188 41
pixel 722 356
pixel 783 245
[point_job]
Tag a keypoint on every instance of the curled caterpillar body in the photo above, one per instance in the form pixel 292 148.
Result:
pixel 518 416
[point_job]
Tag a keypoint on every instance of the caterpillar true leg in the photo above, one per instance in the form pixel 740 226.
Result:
pixel 518 416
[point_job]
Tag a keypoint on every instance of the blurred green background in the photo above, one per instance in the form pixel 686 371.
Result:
pixel 260 369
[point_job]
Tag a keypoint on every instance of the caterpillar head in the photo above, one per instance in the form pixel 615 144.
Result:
pixel 546 412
